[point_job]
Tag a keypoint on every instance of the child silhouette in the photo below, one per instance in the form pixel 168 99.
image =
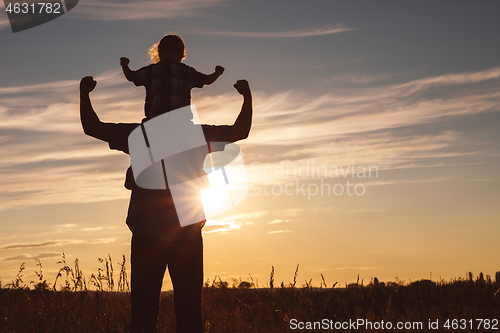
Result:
pixel 168 81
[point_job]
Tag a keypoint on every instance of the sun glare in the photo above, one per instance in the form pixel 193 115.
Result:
pixel 216 199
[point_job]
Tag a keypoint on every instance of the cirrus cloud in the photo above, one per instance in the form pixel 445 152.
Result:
pixel 306 32
pixel 142 10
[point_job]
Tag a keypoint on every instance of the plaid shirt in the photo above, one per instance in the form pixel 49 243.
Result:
pixel 168 85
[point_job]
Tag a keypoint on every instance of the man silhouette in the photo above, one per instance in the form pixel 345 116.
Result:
pixel 158 240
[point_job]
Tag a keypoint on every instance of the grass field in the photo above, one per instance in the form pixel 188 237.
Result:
pixel 470 304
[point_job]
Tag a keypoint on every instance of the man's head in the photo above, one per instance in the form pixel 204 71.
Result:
pixel 170 46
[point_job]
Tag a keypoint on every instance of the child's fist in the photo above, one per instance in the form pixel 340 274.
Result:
pixel 219 70
pixel 87 84
pixel 124 61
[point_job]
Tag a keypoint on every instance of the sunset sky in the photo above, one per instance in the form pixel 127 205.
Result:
pixel 408 91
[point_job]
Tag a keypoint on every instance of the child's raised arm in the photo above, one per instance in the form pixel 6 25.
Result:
pixel 211 78
pixel 126 70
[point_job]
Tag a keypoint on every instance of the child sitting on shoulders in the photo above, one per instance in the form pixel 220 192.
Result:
pixel 168 81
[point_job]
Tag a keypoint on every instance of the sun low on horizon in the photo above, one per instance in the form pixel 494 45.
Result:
pixel 373 152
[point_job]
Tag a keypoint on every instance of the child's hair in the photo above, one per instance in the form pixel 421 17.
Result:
pixel 171 45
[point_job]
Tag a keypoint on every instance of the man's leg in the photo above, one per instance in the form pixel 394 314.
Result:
pixel 148 267
pixel 186 272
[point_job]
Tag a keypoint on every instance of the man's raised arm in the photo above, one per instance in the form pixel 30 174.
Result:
pixel 243 123
pixel 91 124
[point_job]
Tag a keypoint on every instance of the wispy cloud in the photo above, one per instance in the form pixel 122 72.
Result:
pixel 453 79
pixel 247 216
pixel 220 226
pixel 364 79
pixel 306 32
pixel 143 10
pixel 276 221
pixel 28 257
pixel 75 227
pixel 67 226
pixel 279 231
pixel 56 243
pixel 232 222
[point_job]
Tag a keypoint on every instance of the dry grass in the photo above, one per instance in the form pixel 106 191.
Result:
pixel 72 307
